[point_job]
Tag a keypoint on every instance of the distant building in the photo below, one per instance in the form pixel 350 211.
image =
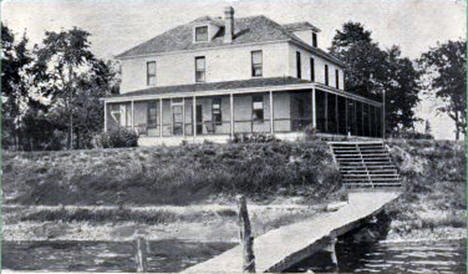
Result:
pixel 213 78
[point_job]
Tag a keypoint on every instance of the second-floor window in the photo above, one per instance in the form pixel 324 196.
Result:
pixel 257 63
pixel 201 34
pixel 257 108
pixel 151 73
pixel 326 75
pixel 312 70
pixel 298 64
pixel 337 78
pixel 216 111
pixel 200 69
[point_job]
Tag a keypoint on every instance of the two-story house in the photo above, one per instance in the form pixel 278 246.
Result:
pixel 216 77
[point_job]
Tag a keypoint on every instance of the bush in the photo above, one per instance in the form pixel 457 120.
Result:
pixel 412 135
pixel 253 138
pixel 116 138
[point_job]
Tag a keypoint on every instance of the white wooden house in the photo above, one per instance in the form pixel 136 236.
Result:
pixel 216 77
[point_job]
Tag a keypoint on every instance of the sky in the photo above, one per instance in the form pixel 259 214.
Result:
pixel 415 26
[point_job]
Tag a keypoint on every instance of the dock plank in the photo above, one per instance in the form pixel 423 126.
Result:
pixel 281 248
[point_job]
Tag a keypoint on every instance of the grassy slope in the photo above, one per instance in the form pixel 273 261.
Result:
pixel 433 175
pixel 170 175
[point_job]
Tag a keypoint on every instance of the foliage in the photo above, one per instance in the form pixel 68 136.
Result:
pixel 371 70
pixel 253 138
pixel 411 135
pixel 51 94
pixel 15 61
pixel 116 138
pixel 444 67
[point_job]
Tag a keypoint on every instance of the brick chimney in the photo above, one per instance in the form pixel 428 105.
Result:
pixel 228 24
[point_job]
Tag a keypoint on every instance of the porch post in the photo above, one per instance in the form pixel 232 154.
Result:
pixel 362 119
pixel 369 120
pixel 272 122
pixel 336 115
pixel 314 110
pixel 194 109
pixel 183 116
pixel 231 109
pixel 346 116
pixel 383 115
pixel 105 116
pixel 160 118
pixel 133 115
pixel 326 111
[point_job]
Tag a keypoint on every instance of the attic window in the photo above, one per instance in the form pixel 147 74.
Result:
pixel 201 34
pixel 314 40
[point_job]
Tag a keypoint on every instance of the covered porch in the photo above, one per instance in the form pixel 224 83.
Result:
pixel 283 110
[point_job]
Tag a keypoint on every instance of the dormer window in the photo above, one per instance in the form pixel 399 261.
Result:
pixel 201 34
pixel 314 40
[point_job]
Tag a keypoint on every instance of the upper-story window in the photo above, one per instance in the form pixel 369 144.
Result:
pixel 257 63
pixel 337 78
pixel 312 69
pixel 326 75
pixel 314 40
pixel 216 111
pixel 298 64
pixel 201 34
pixel 257 108
pixel 200 70
pixel 151 73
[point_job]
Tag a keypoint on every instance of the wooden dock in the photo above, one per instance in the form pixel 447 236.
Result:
pixel 281 248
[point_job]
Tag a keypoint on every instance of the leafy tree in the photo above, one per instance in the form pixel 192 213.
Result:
pixel 63 57
pixel 444 69
pixel 370 70
pixel 15 61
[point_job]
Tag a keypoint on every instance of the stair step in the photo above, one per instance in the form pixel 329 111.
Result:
pixel 371 175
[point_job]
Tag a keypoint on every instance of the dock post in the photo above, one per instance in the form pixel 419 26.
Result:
pixel 331 248
pixel 246 237
pixel 141 253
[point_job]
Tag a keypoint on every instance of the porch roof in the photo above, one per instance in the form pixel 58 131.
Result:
pixel 225 85
pixel 235 87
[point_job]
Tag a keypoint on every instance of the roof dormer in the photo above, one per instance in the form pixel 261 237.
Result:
pixel 305 31
pixel 205 29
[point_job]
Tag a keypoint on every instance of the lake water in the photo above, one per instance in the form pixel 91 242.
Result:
pixel 173 256
pixel 408 257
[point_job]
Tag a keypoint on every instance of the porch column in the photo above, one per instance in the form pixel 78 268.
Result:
pixel 272 122
pixel 231 108
pixel 362 119
pixel 194 110
pixel 346 116
pixel 314 110
pixel 133 115
pixel 369 120
pixel 326 111
pixel 383 115
pixel 160 117
pixel 337 118
pixel 183 116
pixel 105 116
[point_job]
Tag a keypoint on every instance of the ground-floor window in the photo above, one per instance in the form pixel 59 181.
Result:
pixel 216 111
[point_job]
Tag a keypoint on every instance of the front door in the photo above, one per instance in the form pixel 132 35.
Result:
pixel 199 120
pixel 177 120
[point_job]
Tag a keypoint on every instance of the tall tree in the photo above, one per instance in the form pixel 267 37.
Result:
pixel 444 69
pixel 371 70
pixel 15 61
pixel 62 58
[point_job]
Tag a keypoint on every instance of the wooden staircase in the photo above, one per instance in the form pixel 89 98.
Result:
pixel 365 164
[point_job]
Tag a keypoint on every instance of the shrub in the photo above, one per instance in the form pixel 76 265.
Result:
pixel 412 135
pixel 116 138
pixel 253 138
pixel 310 133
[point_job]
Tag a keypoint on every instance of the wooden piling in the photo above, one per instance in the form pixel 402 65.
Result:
pixel 246 237
pixel 140 254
